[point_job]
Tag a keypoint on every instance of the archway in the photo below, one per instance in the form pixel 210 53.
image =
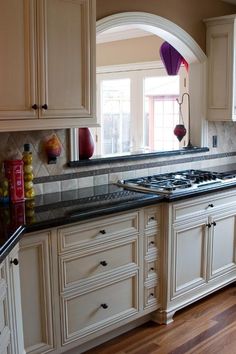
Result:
pixel 186 46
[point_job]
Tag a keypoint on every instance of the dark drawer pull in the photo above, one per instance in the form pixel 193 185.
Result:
pixel 152 218
pixel 208 225
pixel 14 261
pixel 213 223
pixel 210 206
pixel 103 263
pixel 152 269
pixel 104 306
pixel 35 106
pixel 44 106
pixel 102 232
pixel 151 243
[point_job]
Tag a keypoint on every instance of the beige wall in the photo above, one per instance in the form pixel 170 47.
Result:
pixel 187 14
pixel 127 51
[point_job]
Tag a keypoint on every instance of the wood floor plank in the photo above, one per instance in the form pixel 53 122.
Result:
pixel 206 327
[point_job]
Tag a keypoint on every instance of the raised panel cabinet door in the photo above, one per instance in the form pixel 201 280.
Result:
pixel 67 58
pixel 188 256
pixel 36 292
pixel 222 258
pixel 14 302
pixel 17 60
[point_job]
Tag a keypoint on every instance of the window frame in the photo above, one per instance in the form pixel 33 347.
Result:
pixel 136 72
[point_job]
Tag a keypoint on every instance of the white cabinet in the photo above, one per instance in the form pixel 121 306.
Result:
pixel 199 249
pixel 47 64
pixel 98 275
pixel 36 273
pixel 83 280
pixel 221 54
pixel 11 330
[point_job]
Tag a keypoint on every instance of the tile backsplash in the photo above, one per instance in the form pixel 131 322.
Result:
pixel 56 177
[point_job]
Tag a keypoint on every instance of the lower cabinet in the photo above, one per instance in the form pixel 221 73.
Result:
pixel 200 250
pixel 81 281
pixel 36 273
pixel 11 330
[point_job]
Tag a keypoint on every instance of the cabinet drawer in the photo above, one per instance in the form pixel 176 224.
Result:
pixel 95 232
pixel 78 267
pixel 195 207
pixel 152 243
pixel 85 313
pixel 151 217
pixel 151 269
pixel 151 296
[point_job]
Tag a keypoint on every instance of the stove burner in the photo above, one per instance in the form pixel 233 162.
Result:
pixel 177 182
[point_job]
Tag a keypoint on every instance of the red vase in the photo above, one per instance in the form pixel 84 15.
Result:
pixel 86 144
pixel 180 131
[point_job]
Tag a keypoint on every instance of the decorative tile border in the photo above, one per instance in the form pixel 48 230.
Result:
pixel 109 170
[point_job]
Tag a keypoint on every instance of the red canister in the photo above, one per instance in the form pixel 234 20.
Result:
pixel 15 176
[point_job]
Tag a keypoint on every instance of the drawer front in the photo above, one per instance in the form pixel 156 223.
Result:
pixel 151 296
pixel 96 232
pixel 151 269
pixel 85 313
pixel 78 267
pixel 151 217
pixel 152 243
pixel 198 206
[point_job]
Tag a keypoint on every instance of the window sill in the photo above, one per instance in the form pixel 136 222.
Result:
pixel 136 156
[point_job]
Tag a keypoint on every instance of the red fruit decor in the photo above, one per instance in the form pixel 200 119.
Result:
pixel 86 144
pixel 53 149
pixel 180 131
pixel 171 58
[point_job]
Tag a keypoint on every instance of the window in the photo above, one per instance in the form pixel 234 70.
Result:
pixel 138 110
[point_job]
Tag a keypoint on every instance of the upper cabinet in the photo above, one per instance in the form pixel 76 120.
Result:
pixel 47 64
pixel 221 68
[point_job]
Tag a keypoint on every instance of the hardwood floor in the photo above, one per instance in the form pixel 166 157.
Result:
pixel 206 327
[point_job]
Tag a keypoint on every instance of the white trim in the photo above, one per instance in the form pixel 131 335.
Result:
pixel 130 67
pixel 159 26
pixel 121 33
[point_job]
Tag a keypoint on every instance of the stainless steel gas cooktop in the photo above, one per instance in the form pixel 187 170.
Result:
pixel 179 182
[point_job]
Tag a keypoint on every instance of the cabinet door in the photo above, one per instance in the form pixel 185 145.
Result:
pixel 14 302
pixel 222 257
pixel 66 58
pixel 17 60
pixel 188 256
pixel 221 85
pixel 36 292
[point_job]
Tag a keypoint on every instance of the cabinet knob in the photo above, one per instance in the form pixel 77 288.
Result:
pixel 151 294
pixel 213 223
pixel 104 306
pixel 152 243
pixel 14 261
pixel 151 269
pixel 35 106
pixel 208 225
pixel 152 218
pixel 210 205
pixel 102 232
pixel 103 263
pixel 44 106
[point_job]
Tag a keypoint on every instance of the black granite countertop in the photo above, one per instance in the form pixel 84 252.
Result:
pixel 55 209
